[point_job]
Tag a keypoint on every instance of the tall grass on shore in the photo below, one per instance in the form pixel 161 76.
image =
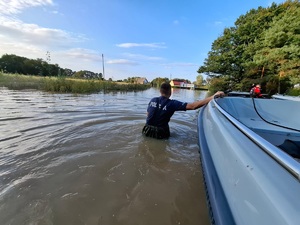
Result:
pixel 64 85
pixel 293 92
pixel 17 82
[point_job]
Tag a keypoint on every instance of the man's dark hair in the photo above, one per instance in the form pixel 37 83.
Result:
pixel 165 89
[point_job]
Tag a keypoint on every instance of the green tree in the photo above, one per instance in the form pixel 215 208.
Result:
pixel 31 67
pixel 12 63
pixel 280 55
pixel 67 72
pixel 100 76
pixel 158 81
pixel 53 70
pixel 263 43
pixel 199 80
pixel 79 74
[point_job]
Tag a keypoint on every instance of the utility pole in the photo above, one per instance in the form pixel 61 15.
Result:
pixel 48 58
pixel 103 66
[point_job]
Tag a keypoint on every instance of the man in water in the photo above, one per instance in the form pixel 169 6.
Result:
pixel 161 109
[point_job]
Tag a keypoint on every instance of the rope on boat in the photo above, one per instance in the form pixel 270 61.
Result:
pixel 289 128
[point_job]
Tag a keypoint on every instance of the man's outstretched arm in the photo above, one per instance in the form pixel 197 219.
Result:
pixel 200 103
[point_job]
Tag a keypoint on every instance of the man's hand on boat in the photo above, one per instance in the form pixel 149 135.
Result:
pixel 219 94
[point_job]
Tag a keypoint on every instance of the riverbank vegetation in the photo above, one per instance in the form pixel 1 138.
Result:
pixel 14 64
pixel 262 48
pixel 65 85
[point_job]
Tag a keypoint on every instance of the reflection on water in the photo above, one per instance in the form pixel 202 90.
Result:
pixel 82 160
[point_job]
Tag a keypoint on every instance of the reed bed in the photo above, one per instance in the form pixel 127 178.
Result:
pixel 65 85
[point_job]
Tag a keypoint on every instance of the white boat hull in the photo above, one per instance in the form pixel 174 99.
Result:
pixel 246 184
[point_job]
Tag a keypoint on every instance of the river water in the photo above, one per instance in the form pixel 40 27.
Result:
pixel 82 160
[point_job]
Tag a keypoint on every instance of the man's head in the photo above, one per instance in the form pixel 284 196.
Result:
pixel 165 90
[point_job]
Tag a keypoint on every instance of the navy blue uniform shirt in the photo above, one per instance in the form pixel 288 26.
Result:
pixel 160 110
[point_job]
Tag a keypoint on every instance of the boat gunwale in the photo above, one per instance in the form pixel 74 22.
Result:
pixel 286 161
pixel 217 202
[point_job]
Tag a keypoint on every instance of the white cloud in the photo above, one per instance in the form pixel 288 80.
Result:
pixel 143 57
pixel 8 7
pixel 146 45
pixel 83 54
pixel 20 49
pixel 24 34
pixel 122 61
pixel 14 30
pixel 78 59
pixel 33 41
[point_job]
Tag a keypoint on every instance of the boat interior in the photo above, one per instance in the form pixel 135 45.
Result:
pixel 277 121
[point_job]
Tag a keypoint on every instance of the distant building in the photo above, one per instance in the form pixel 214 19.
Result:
pixel 181 84
pixel 176 83
pixel 141 80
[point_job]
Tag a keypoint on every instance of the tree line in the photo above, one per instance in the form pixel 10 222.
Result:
pixel 10 63
pixel 263 48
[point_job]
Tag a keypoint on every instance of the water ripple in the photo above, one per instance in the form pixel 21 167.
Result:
pixel 65 159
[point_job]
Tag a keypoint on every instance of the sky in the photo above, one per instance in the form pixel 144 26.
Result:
pixel 126 38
